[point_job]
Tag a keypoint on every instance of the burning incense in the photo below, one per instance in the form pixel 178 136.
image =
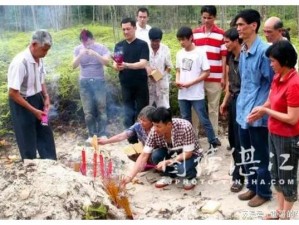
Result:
pixel 118 195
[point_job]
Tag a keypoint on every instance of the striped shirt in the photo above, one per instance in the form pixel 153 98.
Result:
pixel 25 75
pixel 213 44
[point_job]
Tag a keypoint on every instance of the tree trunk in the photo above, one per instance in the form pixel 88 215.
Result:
pixel 33 17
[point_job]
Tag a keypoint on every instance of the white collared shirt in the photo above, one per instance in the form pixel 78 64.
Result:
pixel 25 75
pixel 142 33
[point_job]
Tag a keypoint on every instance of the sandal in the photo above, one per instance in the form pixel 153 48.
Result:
pixel 236 187
pixel 272 216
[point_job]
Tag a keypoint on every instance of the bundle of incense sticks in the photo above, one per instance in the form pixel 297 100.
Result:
pixel 118 195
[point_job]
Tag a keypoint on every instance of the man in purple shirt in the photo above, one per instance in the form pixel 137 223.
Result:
pixel 91 57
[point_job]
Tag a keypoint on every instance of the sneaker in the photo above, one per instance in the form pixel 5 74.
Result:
pixel 163 182
pixel 103 137
pixel 189 184
pixel 88 140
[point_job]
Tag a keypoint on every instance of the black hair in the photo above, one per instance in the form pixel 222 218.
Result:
pixel 286 33
pixel 184 32
pixel 284 52
pixel 85 34
pixel 232 34
pixel 161 114
pixel 143 9
pixel 128 20
pixel 211 9
pixel 250 16
pixel 155 33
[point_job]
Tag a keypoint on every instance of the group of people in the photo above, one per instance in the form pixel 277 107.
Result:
pixel 261 88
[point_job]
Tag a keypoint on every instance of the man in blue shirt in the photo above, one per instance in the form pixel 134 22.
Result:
pixel 256 77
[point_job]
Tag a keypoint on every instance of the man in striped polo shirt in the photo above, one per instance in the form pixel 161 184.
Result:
pixel 210 38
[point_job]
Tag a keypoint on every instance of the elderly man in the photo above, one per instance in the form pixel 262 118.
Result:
pixel 273 31
pixel 29 99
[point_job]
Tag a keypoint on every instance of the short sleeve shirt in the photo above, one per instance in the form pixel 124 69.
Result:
pixel 284 93
pixel 182 136
pixel 139 131
pixel 90 66
pixel 25 74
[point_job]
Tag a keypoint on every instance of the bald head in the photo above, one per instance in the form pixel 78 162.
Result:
pixel 273 29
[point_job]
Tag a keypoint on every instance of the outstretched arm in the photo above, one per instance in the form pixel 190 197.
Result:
pixel 116 138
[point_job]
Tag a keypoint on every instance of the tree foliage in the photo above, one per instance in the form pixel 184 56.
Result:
pixel 65 24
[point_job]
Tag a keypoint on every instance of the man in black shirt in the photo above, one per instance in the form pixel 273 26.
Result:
pixel 233 45
pixel 132 73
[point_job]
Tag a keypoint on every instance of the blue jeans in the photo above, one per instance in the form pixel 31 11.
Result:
pixel 185 169
pixel 93 98
pixel 259 179
pixel 201 111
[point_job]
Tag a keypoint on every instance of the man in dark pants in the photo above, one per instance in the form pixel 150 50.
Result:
pixel 256 78
pixel 132 72
pixel 29 100
pixel 232 90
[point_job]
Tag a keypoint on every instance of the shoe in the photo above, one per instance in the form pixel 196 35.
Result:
pixel 88 140
pixel 215 143
pixel 103 137
pixel 257 201
pixel 236 187
pixel 163 182
pixel 189 184
pixel 246 196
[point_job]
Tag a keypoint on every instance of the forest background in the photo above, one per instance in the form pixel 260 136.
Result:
pixel 65 24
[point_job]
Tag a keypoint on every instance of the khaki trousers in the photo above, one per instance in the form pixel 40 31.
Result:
pixel 213 92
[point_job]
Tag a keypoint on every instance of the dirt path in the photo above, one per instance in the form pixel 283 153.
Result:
pixel 173 202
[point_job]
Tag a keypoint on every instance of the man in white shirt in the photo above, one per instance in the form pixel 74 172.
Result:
pixel 29 100
pixel 141 25
pixel 159 63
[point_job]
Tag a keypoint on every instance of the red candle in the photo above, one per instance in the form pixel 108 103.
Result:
pixel 95 155
pixel 109 172
pixel 83 168
pixel 102 166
